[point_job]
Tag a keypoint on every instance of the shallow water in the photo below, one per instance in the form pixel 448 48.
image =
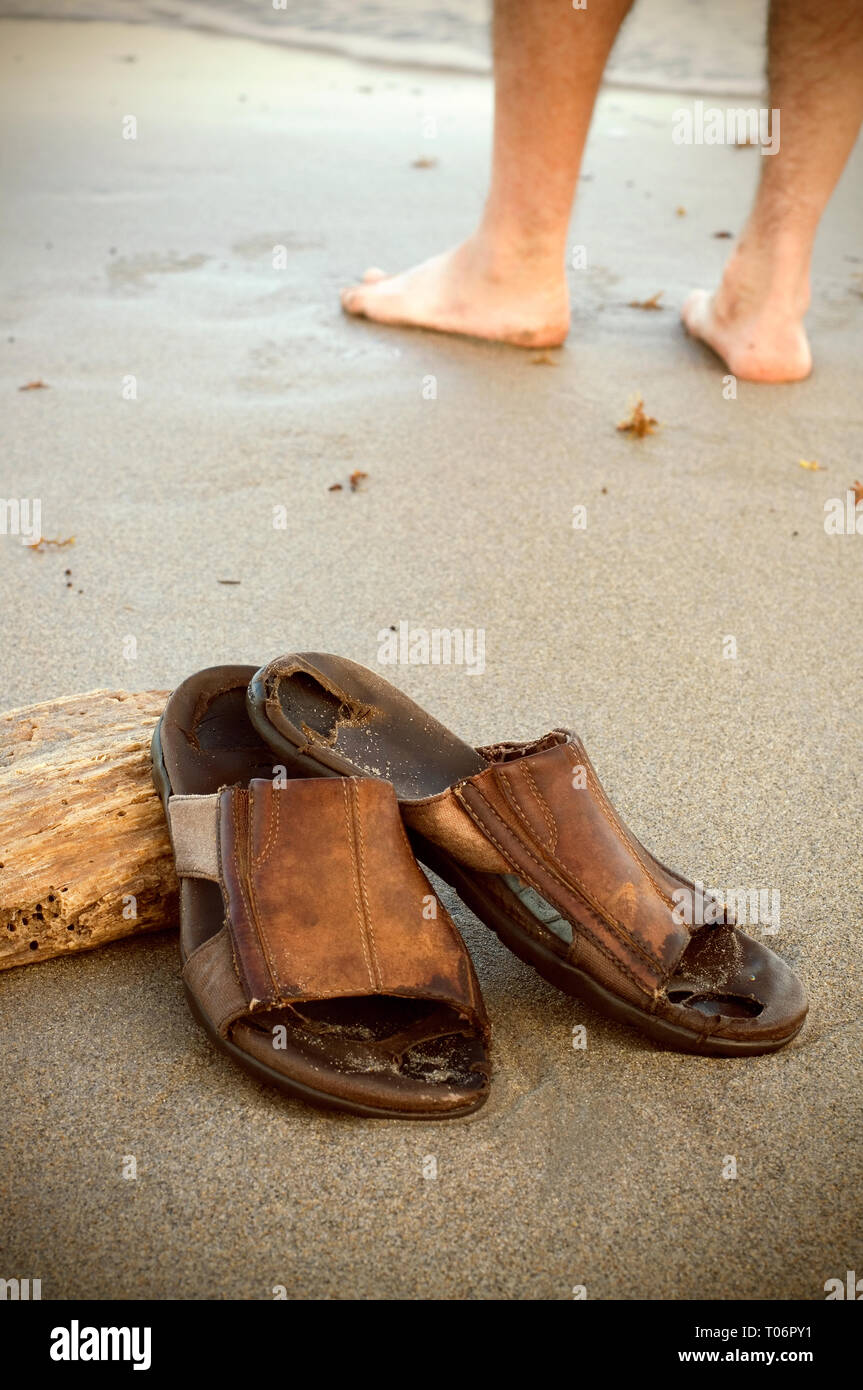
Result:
pixel 683 45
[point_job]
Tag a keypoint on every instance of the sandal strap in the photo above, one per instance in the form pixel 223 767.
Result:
pixel 210 975
pixel 543 815
pixel 323 899
pixel 194 822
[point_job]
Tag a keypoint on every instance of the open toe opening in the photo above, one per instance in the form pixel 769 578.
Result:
pixel 364 1018
pixel 414 1040
pixel 711 978
pixel 716 1005
pixel 742 992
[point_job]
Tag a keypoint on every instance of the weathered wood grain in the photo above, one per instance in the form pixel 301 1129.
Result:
pixel 84 851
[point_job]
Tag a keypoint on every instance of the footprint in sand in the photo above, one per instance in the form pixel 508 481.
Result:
pixel 134 272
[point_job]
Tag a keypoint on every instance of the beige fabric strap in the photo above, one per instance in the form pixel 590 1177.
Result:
pixel 195 833
pixel 210 975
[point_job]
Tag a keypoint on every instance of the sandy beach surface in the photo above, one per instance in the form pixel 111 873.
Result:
pixel 153 258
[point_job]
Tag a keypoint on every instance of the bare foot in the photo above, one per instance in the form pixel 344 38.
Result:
pixel 755 327
pixel 463 291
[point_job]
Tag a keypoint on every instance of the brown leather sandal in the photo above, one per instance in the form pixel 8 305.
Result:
pixel 314 950
pixel 528 838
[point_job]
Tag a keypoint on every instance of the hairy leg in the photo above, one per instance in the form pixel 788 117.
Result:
pixel 754 321
pixel 508 280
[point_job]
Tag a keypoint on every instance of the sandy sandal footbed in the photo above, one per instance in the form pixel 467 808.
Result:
pixel 564 883
pixel 416 1051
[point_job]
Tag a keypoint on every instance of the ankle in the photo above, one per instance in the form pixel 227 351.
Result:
pixel 505 251
pixel 766 274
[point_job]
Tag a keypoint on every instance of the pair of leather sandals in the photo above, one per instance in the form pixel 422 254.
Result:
pixel 314 950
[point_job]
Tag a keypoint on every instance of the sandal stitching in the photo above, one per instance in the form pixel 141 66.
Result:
pixel 610 815
pixel 249 897
pixel 509 912
pixel 272 830
pixel 514 803
pixel 352 846
pixel 577 926
pixel 238 962
pixel 444 915
pixel 568 879
pixel 361 862
pixel 226 923
pixel 543 805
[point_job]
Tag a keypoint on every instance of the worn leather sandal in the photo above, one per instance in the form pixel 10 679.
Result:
pixel 529 840
pixel 314 951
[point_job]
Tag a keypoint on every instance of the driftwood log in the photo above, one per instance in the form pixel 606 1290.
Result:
pixel 84 852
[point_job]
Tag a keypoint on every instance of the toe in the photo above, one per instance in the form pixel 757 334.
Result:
pixel 353 301
pixel 373 274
